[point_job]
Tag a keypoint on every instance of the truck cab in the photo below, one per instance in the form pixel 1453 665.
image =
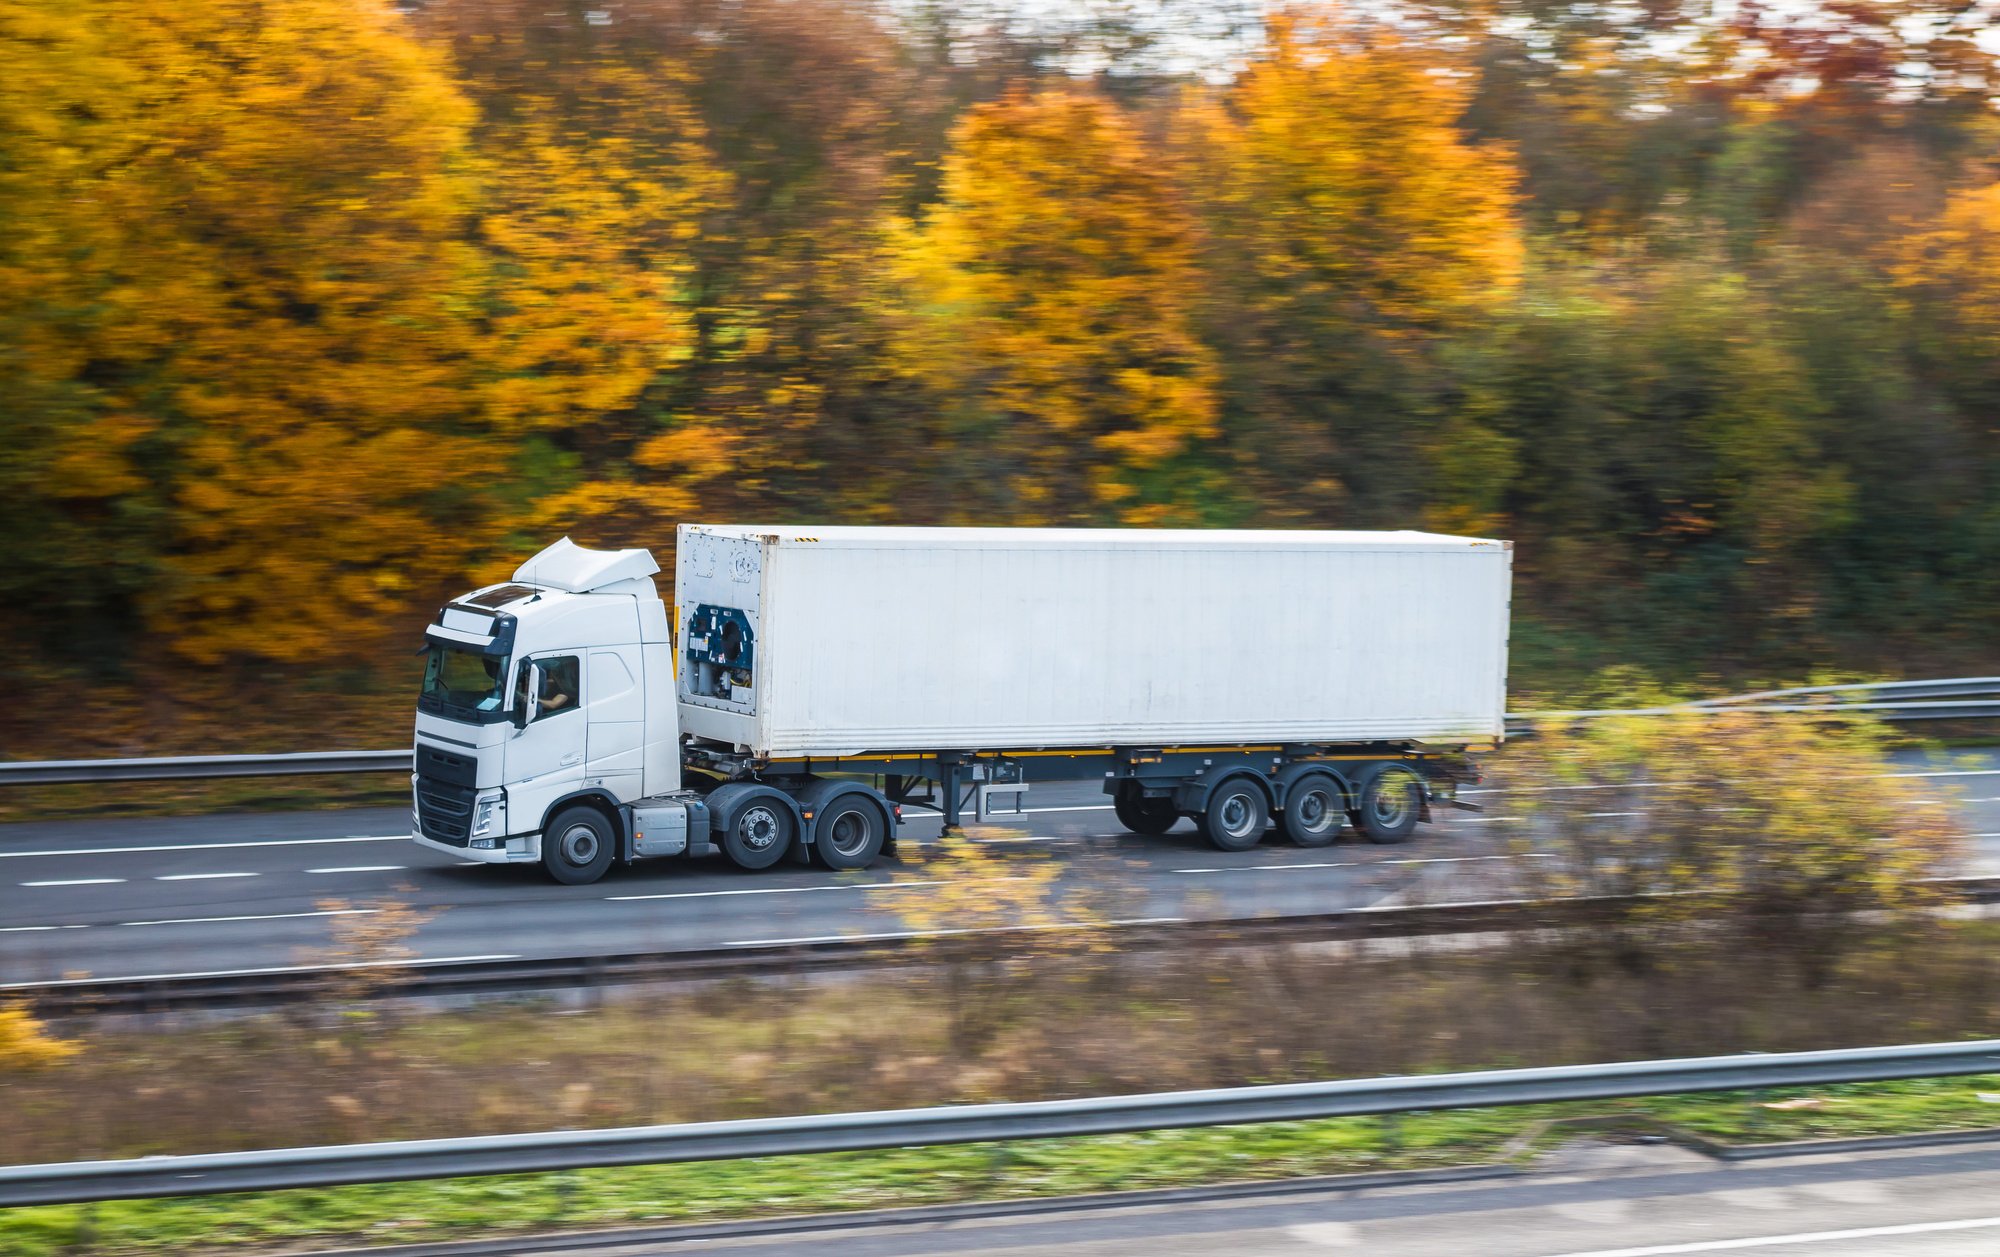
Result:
pixel 547 694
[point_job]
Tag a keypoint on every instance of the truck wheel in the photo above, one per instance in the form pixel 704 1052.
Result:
pixel 577 846
pixel 849 833
pixel 1314 811
pixel 759 834
pixel 1390 805
pixel 1142 815
pixel 1236 815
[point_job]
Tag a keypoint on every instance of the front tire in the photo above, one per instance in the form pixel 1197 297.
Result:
pixel 849 833
pixel 577 846
pixel 1142 815
pixel 759 834
pixel 1236 815
pixel 1391 802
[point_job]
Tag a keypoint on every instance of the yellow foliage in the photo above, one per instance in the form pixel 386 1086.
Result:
pixel 1771 826
pixel 25 1043
pixel 263 205
pixel 1053 289
pixel 1957 258
pixel 1339 176
pixel 962 884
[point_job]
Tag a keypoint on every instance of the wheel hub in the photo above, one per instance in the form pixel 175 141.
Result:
pixel 759 828
pixel 579 844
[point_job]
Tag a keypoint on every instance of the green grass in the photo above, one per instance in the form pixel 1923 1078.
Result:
pixel 460 1208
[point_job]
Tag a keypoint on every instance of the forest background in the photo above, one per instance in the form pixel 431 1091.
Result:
pixel 314 312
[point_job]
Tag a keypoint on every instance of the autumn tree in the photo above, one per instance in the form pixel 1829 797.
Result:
pixel 246 278
pixel 1352 224
pixel 1050 305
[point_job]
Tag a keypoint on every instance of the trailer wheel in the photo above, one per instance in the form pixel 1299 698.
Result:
pixel 1142 815
pixel 1236 815
pixel 849 833
pixel 1314 811
pixel 577 846
pixel 759 834
pixel 1390 805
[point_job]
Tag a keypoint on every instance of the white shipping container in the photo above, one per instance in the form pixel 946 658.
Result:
pixel 860 640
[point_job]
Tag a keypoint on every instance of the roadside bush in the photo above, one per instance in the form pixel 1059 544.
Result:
pixel 1776 832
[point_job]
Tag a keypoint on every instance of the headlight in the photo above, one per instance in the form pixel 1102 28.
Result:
pixel 486 812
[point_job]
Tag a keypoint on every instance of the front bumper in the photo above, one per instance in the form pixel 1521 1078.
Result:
pixel 519 849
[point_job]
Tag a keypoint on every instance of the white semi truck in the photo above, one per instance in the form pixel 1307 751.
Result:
pixel 809 682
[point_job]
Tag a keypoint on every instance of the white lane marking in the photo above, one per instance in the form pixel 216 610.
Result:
pixel 244 973
pixel 198 877
pixel 207 846
pixel 365 868
pixel 1325 1234
pixel 769 890
pixel 35 929
pixel 267 916
pixel 1800 1237
pixel 79 881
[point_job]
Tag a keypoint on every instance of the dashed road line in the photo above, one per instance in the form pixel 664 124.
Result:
pixel 78 881
pixel 370 868
pixel 199 877
pixel 267 916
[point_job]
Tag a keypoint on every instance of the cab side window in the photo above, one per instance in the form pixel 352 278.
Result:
pixel 562 684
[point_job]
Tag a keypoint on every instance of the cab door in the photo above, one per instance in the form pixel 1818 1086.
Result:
pixel 545 757
pixel 615 706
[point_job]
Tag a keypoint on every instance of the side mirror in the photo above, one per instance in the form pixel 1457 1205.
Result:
pixel 524 709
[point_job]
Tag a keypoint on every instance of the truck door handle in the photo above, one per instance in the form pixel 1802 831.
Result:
pixel 574 757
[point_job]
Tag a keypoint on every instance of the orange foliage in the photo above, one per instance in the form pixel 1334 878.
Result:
pixel 1052 292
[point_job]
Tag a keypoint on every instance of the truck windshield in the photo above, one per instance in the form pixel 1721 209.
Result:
pixel 463 684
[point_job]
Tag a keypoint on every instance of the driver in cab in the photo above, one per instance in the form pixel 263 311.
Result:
pixel 554 696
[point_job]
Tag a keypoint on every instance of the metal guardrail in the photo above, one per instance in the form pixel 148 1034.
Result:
pixel 258 988
pixel 1956 698
pixel 191 767
pixel 1952 698
pixel 284 1168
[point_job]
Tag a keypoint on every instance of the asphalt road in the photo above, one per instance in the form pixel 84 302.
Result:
pixel 131 898
pixel 1608 1201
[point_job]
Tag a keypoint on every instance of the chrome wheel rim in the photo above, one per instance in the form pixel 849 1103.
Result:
pixel 758 828
pixel 1237 815
pixel 1315 811
pixel 579 844
pixel 850 832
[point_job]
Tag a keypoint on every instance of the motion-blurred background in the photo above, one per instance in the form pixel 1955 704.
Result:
pixel 314 311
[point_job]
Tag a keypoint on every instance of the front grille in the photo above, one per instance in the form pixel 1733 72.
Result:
pixel 451 768
pixel 444 810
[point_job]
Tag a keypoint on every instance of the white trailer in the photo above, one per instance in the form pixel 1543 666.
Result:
pixel 810 681
pixel 894 639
